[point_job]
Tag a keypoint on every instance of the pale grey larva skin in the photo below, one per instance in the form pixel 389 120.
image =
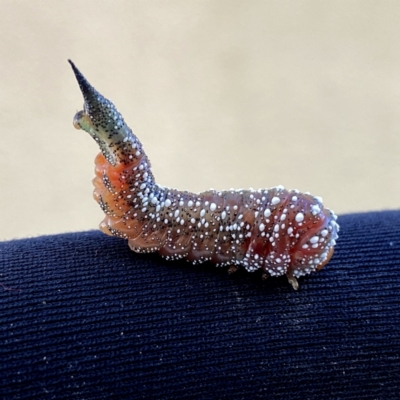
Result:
pixel 277 231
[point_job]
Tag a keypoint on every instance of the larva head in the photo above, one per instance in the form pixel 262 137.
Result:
pixel 102 121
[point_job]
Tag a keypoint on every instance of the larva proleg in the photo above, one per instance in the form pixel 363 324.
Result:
pixel 277 231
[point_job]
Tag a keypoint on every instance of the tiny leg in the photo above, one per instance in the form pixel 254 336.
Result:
pixel 232 269
pixel 264 276
pixel 293 281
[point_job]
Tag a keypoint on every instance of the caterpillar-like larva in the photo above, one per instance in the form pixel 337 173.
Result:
pixel 281 232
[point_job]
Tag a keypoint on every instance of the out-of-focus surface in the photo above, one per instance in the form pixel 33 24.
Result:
pixel 221 93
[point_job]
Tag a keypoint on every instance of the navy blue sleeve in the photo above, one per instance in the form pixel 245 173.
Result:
pixel 83 317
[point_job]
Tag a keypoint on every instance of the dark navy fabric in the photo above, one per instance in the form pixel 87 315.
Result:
pixel 83 317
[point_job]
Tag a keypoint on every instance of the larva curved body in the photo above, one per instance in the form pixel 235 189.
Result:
pixel 278 231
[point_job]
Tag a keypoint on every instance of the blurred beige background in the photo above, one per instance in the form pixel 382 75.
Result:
pixel 222 93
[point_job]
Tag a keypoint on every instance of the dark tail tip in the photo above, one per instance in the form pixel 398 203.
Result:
pixel 84 85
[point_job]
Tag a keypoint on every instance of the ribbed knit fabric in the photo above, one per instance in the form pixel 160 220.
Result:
pixel 89 319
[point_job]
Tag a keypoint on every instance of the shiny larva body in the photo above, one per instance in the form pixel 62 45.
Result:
pixel 277 231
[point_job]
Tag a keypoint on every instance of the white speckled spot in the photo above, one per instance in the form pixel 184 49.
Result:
pixel 315 209
pixel 267 213
pixel 275 200
pixel 314 239
pixel 299 217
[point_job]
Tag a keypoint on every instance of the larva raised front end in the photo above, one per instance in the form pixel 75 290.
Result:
pixel 277 231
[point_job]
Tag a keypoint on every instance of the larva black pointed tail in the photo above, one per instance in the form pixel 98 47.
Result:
pixel 105 124
pixel 88 91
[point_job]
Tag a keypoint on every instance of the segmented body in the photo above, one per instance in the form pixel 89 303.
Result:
pixel 275 230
